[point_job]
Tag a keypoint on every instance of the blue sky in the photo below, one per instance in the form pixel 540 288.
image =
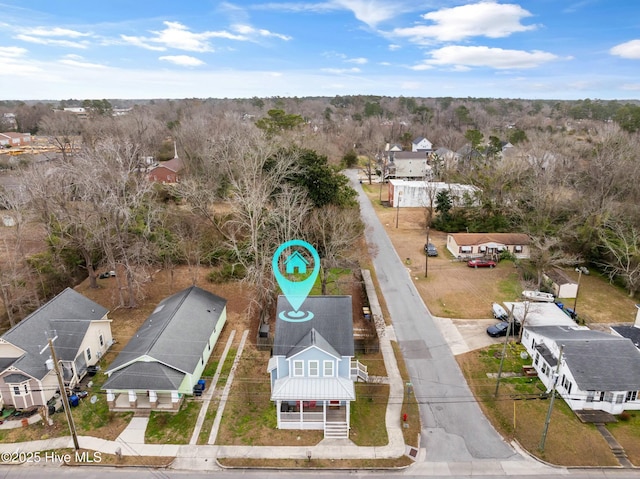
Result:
pixel 549 49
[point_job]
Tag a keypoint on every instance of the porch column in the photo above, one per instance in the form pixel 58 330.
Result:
pixel 175 399
pixel 153 399
pixel 301 413
pixel 348 412
pixel 111 398
pixel 324 413
pixel 278 408
pixel 133 399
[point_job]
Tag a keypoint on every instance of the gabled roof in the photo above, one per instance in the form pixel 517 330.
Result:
pixel 598 361
pixel 558 276
pixel 313 338
pixel 332 321
pixel 313 389
pixel 68 316
pixel 481 238
pixel 419 139
pixel 410 155
pixel 177 331
pixel 174 164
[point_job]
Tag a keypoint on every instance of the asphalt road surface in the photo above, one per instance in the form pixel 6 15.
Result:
pixel 454 427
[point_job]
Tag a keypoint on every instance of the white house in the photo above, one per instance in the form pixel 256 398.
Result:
pixel 164 360
pixel 595 370
pixel 486 244
pixel 81 333
pixel 421 144
pixel 408 165
pixel 312 369
pixel 420 194
pixel 533 314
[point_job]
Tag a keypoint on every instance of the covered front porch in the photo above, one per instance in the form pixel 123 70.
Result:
pixel 314 404
pixel 144 400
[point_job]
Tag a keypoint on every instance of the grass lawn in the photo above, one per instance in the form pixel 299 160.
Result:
pixel 519 411
pixel 172 427
pixel 627 433
pixel 367 426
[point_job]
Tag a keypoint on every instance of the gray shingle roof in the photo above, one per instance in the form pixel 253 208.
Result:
pixel 140 375
pixel 313 338
pixel 332 320
pixel 177 332
pixel 68 315
pixel 630 332
pixel 597 360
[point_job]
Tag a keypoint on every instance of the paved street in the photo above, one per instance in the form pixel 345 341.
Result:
pixel 454 428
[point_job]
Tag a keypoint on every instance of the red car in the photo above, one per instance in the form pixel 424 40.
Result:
pixel 481 263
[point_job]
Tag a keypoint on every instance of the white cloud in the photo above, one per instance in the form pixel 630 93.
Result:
pixel 499 58
pixel 341 71
pixel 394 47
pixel 630 49
pixel 142 43
pixel 54 32
pixel 179 37
pixel 484 19
pixel 78 61
pixel 51 41
pixel 183 60
pixel 13 52
pixel 250 31
pixel 357 61
pixel 370 12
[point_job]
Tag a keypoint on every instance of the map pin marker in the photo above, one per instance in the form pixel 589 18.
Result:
pixel 296 263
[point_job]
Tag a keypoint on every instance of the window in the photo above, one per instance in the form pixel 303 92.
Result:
pixel 619 398
pixel 101 339
pixel 608 397
pixel 517 249
pixel 298 368
pixel 631 396
pixel 537 359
pixel 314 368
pixel 328 369
pixel 26 388
pixel 466 249
pixel 590 395
pixel 88 354
pixel 16 390
pixel 482 249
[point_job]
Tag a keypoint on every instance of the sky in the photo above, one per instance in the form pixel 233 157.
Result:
pixel 138 49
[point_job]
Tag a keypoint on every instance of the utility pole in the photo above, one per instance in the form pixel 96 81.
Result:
pixel 63 393
pixel 504 351
pixel 553 396
pixel 426 255
pixel 398 208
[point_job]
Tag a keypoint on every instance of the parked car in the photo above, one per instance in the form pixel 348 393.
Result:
pixel 481 263
pixel 499 312
pixel 500 329
pixel 107 274
pixel 430 249
pixel 539 296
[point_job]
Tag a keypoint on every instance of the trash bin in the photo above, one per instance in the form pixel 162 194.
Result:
pixel 201 384
pixel 74 400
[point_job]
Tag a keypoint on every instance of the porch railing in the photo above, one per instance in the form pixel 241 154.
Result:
pixel 306 417
pixel 359 371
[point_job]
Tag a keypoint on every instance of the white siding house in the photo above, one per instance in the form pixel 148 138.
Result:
pixel 596 371
pixel 420 194
pixel 476 245
pixel 81 333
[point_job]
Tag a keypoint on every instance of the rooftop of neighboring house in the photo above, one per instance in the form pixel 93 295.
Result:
pixel 482 238
pixel 65 317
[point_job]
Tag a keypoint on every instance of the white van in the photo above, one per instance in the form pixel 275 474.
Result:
pixel 499 312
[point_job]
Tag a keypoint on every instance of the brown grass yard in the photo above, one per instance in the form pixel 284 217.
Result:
pixel 519 413
pixel 453 290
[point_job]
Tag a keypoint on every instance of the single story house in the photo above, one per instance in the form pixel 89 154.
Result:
pixel 81 333
pixel 421 144
pixel 487 244
pixel 422 194
pixel 561 285
pixel 165 358
pixel 312 369
pixel 597 371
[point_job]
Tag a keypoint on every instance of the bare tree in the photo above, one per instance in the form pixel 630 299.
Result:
pixel 64 129
pixel 546 253
pixel 621 244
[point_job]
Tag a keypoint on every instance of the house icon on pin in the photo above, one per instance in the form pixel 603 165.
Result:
pixel 296 261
